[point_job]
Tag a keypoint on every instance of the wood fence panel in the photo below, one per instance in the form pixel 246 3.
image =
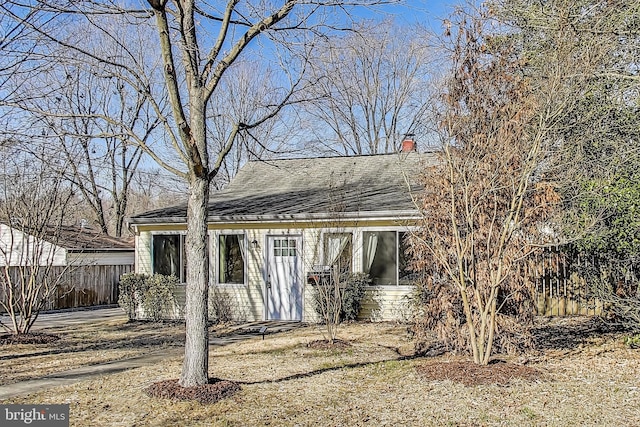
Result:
pixel 89 285
pixel 558 290
pixel 83 286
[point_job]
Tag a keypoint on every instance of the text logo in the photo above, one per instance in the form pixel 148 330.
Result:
pixel 34 415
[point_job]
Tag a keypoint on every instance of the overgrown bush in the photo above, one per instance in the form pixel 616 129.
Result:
pixel 159 296
pixel 356 284
pixel 155 295
pixel 439 309
pixel 131 289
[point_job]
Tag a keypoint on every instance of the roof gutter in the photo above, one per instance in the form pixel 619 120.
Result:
pixel 95 250
pixel 320 217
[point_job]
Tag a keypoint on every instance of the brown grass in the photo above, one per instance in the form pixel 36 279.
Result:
pixel 82 345
pixel 375 381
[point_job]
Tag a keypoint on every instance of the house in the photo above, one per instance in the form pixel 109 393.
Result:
pixel 280 220
pixel 62 246
pixel 89 262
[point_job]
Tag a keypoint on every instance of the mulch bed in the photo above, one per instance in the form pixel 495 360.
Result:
pixel 209 393
pixel 471 374
pixel 328 345
pixel 31 338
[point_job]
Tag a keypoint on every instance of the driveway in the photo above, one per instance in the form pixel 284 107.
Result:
pixel 64 319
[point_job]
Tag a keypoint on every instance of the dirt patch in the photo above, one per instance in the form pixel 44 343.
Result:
pixel 471 374
pixel 329 345
pixel 213 392
pixel 32 338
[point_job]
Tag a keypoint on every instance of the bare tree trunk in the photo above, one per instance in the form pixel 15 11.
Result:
pixel 196 352
pixel 195 368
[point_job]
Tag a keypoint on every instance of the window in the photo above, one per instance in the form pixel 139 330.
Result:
pixel 169 255
pixel 284 247
pixel 338 250
pixel 384 257
pixel 231 258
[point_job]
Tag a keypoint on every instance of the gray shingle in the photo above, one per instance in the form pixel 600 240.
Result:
pixel 296 188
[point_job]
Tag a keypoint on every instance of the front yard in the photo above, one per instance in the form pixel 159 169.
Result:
pixel 579 378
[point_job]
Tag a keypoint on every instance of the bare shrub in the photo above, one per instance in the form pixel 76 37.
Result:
pixel 338 297
pixel 223 307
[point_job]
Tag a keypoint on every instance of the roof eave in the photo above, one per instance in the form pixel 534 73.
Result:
pixel 393 215
pixel 94 250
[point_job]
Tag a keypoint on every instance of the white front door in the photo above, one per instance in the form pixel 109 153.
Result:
pixel 284 278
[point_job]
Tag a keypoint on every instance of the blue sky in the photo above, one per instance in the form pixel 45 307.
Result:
pixel 426 12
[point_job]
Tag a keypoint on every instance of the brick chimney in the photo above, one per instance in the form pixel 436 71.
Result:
pixel 408 144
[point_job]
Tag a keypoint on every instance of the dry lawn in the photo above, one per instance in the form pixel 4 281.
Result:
pixel 586 379
pixel 84 345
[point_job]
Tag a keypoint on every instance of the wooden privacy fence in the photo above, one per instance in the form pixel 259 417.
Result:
pixel 559 289
pixel 83 286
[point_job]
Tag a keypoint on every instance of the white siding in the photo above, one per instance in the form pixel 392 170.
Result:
pixel 380 304
pixel 248 300
pixel 17 248
pixel 387 303
pixel 143 253
pixel 102 258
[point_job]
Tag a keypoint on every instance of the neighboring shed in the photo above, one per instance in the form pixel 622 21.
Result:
pixel 280 220
pixel 89 261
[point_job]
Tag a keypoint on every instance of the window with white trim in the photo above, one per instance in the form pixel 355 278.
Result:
pixel 384 258
pixel 169 256
pixel 231 258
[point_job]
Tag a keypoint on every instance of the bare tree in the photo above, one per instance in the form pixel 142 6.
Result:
pixel 84 113
pixel 18 44
pixel 31 215
pixel 334 286
pixel 101 159
pixel 198 45
pixel 486 204
pixel 244 100
pixel 154 188
pixel 373 86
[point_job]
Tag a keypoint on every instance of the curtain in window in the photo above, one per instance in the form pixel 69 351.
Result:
pixel 243 248
pixel 370 247
pixel 335 244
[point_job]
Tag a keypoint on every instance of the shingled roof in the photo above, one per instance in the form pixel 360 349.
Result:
pixel 79 239
pixel 373 186
pixel 82 239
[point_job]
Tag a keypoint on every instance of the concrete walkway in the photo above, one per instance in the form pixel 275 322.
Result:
pixel 85 373
pixel 240 333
